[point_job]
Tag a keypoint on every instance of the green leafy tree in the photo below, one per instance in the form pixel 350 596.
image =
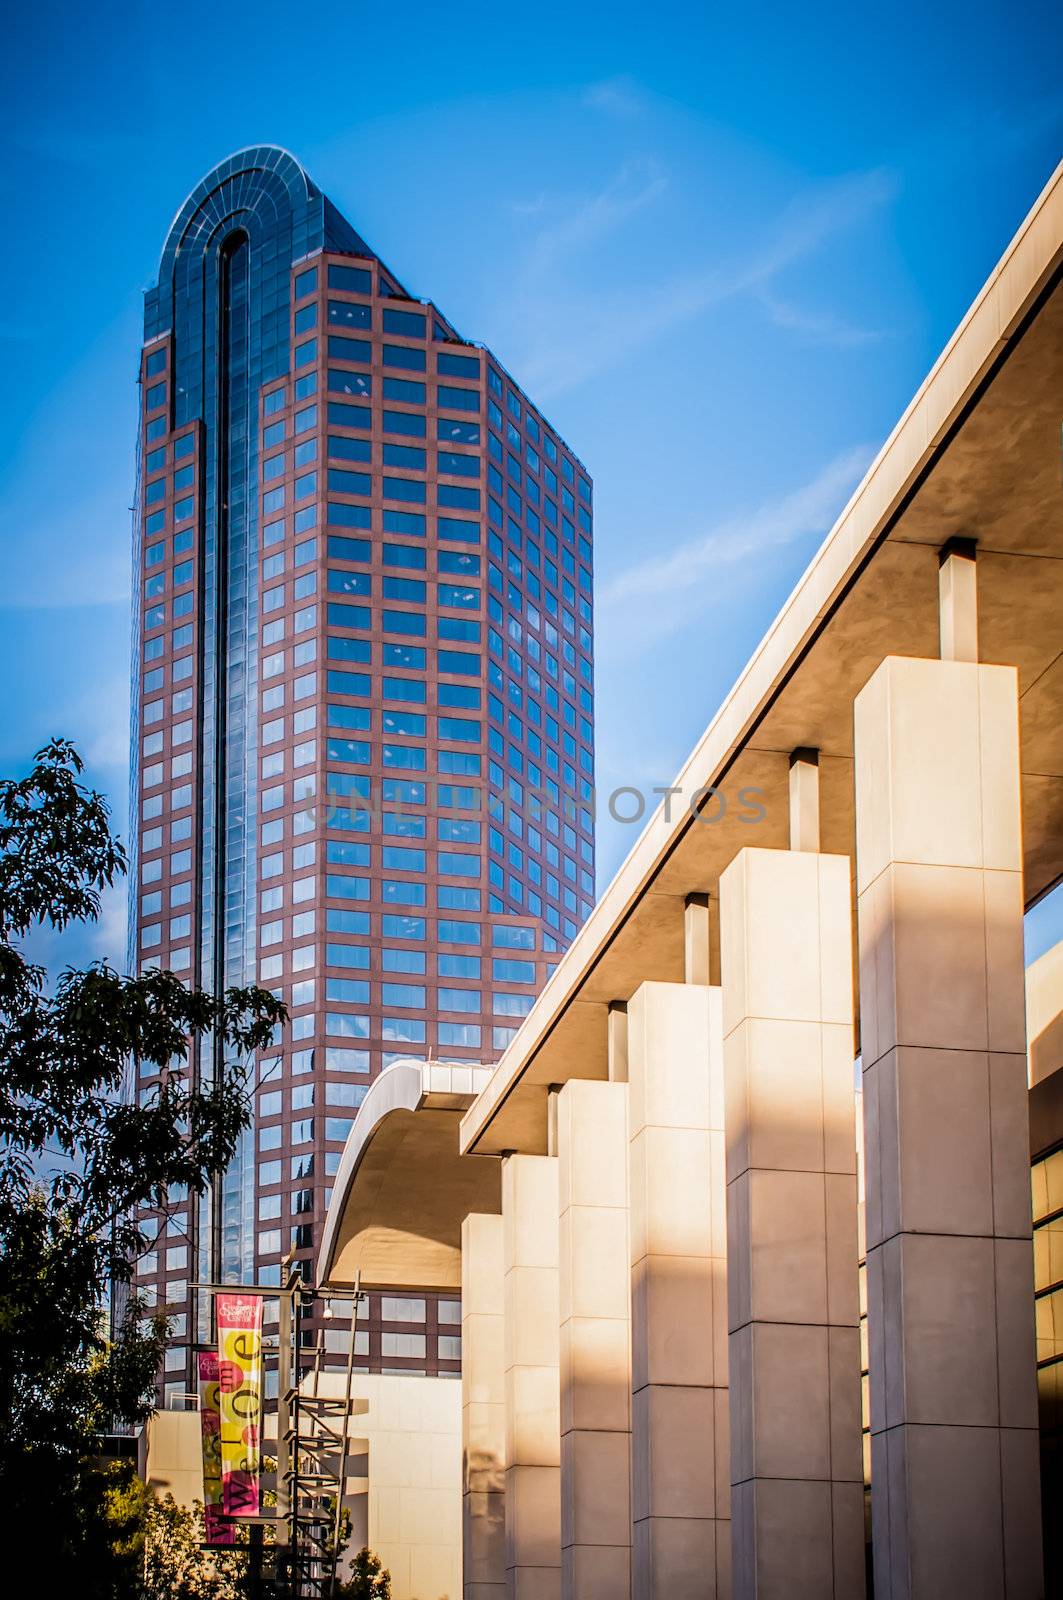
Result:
pixel 66 1235
pixel 176 1566
pixel 368 1579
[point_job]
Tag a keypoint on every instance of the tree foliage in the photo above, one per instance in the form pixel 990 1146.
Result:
pixel 66 1054
pixel 369 1579
pixel 176 1566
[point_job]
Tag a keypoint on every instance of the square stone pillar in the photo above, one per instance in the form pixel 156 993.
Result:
pixel 797 1492
pixel 533 1425
pixel 954 1468
pixel 594 1288
pixel 680 1482
pixel 483 1409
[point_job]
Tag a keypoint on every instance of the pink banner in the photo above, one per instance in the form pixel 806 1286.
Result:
pixel 240 1402
pixel 218 1528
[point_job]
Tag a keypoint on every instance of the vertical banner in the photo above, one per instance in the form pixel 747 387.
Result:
pixel 218 1529
pixel 240 1401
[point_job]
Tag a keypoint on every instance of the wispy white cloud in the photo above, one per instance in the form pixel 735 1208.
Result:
pixel 817 327
pixel 573 331
pixel 570 229
pixel 617 97
pixel 658 597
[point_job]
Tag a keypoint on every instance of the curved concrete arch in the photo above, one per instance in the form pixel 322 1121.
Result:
pixel 403 1189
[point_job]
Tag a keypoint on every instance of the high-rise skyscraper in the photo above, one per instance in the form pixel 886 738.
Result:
pixel 362 699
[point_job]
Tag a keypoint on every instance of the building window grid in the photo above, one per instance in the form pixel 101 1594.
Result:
pixel 481 609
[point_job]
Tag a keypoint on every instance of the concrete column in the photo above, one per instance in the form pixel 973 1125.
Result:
pixel 958 601
pixel 533 1428
pixel 954 1474
pixel 804 799
pixel 616 1046
pixel 483 1409
pixel 680 1487
pixel 697 939
pixel 593 1282
pixel 797 1494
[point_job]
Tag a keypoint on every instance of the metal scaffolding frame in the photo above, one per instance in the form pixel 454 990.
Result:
pixel 313 1451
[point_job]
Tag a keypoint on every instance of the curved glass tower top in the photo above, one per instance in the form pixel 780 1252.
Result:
pixel 262 189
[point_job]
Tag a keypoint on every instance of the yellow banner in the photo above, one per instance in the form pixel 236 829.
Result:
pixel 240 1402
pixel 218 1529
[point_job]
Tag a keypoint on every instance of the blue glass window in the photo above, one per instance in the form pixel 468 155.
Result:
pixel 348 682
pixel 404 455
pixel 404 489
pixel 350 650
pixel 453 430
pixel 349 549
pixel 404 589
pixel 344 516
pixel 457 528
pixel 408 390
pixel 458 465
pixel 458 366
pixel 412 689
pixel 448 494
pixel 355 751
pixel 344 449
pixel 452 399
pixel 411 622
pixel 412 656
pixel 341 616
pixel 459 628
pixel 462 730
pixel 405 555
pixel 355 280
pixel 411 324
pixel 349 314
pixel 343 482
pixel 457 661
pixel 345 416
pixel 356 383
pixel 452 594
pixel 409 357
pixel 408 724
pixel 411 522
pixel 340 581
pixel 410 423
pixel 459 561
pixel 341 348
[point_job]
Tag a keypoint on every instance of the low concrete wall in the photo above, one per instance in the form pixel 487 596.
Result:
pixel 171 1458
pixel 410 1513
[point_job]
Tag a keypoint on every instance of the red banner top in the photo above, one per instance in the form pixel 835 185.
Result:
pixel 239 1310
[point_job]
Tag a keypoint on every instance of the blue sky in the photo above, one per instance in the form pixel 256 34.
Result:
pixel 721 248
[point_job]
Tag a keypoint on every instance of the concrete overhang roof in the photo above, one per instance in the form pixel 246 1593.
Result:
pixel 975 455
pixel 402 1190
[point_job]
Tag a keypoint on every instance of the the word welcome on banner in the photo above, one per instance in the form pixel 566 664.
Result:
pixel 218 1528
pixel 240 1402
